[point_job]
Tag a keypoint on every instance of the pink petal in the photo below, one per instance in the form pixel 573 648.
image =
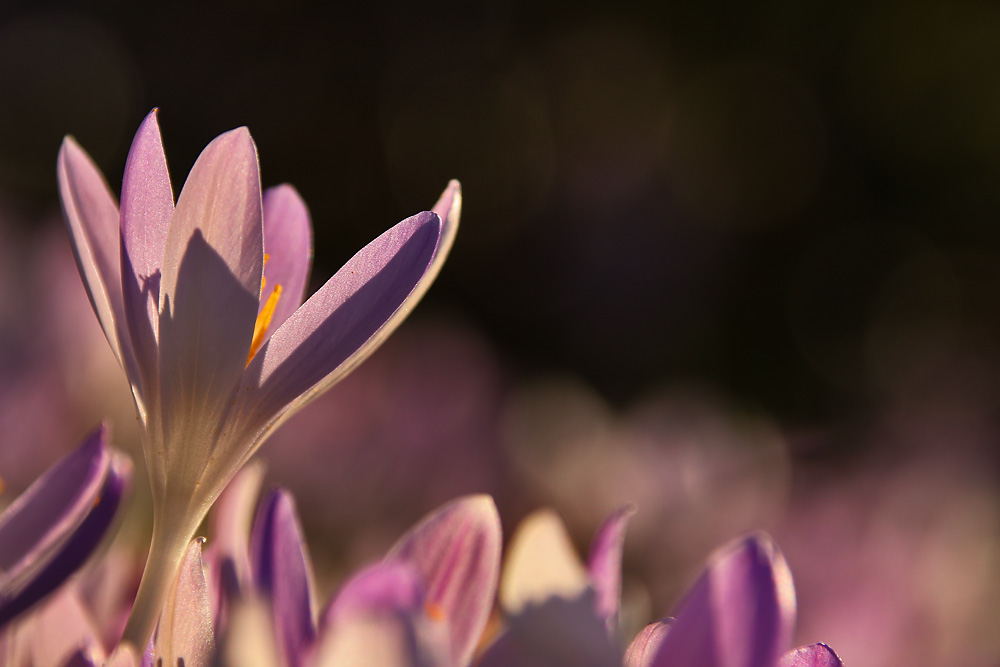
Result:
pixel 817 655
pixel 211 283
pixel 604 565
pixel 283 573
pixel 643 649
pixel 92 217
pixel 342 323
pixel 740 613
pixel 456 549
pixel 288 248
pixel 146 209
pixel 185 630
pixel 380 589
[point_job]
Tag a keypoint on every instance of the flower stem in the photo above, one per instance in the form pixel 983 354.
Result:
pixel 166 550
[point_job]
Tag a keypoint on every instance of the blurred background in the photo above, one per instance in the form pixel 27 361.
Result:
pixel 737 263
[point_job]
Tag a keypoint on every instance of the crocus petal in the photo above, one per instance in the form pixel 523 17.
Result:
pixel 740 613
pixel 185 631
pixel 342 323
pixel 604 565
pixel 288 249
pixel 456 549
pixel 210 288
pixel 449 209
pixel 147 205
pixel 379 618
pixel 643 649
pixel 92 217
pixel 281 570
pixel 816 655
pixel 54 526
pixel 541 563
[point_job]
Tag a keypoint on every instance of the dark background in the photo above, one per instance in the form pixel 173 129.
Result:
pixel 793 203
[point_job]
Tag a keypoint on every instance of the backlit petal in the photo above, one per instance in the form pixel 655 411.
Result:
pixel 740 612
pixel 147 206
pixel 817 655
pixel 92 217
pixel 342 323
pixel 456 549
pixel 604 565
pixel 185 630
pixel 283 573
pixel 643 649
pixel 288 248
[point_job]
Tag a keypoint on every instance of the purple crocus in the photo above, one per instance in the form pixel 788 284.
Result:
pixel 250 603
pixel 739 613
pixel 53 527
pixel 200 301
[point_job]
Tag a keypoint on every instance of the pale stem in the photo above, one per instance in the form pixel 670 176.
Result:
pixel 171 538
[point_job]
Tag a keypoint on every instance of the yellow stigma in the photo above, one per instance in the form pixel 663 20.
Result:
pixel 264 318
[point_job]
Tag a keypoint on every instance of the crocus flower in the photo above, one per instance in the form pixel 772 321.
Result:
pixel 200 303
pixel 251 602
pixel 739 613
pixel 55 525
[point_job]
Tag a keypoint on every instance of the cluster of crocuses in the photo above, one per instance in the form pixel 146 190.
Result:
pixel 201 302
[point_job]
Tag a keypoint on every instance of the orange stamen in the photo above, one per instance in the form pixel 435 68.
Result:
pixel 434 611
pixel 264 318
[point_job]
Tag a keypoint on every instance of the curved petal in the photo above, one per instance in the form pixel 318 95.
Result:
pixel 92 217
pixel 643 649
pixel 456 549
pixel 288 249
pixel 449 209
pixel 185 635
pixel 816 655
pixel 740 612
pixel 54 526
pixel 377 618
pixel 604 565
pixel 282 572
pixel 208 302
pixel 146 209
pixel 342 323
pixel 540 564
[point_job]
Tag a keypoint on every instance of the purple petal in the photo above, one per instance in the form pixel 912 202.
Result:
pixel 210 288
pixel 456 549
pixel 816 655
pixel 60 633
pixel 604 565
pixel 379 589
pixel 378 618
pixel 185 632
pixel 146 209
pixel 288 249
pixel 342 323
pixel 282 572
pixel 643 649
pixel 740 613
pixel 54 526
pixel 92 217
pixel 449 209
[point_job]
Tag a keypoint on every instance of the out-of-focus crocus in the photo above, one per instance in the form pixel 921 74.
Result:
pixel 200 302
pixel 252 603
pixel 55 525
pixel 740 612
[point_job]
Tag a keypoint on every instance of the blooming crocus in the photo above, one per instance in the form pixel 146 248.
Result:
pixel 739 613
pixel 55 525
pixel 200 303
pixel 251 604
